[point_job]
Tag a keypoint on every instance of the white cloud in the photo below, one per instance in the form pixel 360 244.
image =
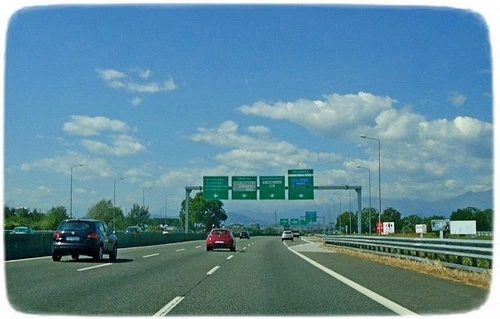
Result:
pixel 257 152
pixel 143 73
pixel 258 129
pixel 134 82
pixel 91 126
pixel 115 144
pixel 331 116
pixel 110 74
pixel 121 145
pixel 93 167
pixel 457 99
pixel 136 101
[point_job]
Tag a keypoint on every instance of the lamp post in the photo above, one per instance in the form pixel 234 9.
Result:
pixel 71 191
pixel 340 211
pixel 379 188
pixel 369 197
pixel 143 194
pixel 114 200
pixel 166 208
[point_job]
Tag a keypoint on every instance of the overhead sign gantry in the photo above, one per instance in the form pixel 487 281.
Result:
pixel 300 187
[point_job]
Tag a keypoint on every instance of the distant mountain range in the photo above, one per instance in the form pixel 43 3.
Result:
pixel 419 207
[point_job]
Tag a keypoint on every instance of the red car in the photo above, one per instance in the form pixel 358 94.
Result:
pixel 220 238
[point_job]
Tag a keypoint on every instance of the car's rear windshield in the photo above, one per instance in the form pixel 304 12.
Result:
pixel 76 225
pixel 220 231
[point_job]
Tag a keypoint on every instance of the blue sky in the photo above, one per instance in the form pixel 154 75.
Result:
pixel 163 95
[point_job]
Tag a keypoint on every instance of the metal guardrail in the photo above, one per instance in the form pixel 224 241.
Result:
pixel 472 255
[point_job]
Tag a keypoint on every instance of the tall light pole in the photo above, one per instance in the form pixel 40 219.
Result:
pixel 340 211
pixel 114 201
pixel 369 197
pixel 71 191
pixel 143 194
pixel 166 209
pixel 379 188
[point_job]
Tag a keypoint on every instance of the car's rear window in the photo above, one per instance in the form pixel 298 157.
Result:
pixel 220 232
pixel 76 225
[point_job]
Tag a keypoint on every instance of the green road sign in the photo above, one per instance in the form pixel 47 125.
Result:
pixel 300 187
pixel 272 187
pixel 311 217
pixel 303 220
pixel 284 222
pixel 300 172
pixel 294 221
pixel 244 187
pixel 215 187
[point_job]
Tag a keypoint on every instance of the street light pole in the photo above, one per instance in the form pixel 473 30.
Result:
pixel 340 211
pixel 71 191
pixel 114 201
pixel 379 187
pixel 369 197
pixel 166 208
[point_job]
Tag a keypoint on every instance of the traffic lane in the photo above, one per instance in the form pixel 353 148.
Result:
pixel 421 293
pixel 33 276
pixel 139 282
pixel 265 278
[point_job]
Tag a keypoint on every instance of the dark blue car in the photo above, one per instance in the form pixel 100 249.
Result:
pixel 88 237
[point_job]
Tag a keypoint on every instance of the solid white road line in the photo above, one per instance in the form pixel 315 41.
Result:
pixel 165 310
pixel 400 310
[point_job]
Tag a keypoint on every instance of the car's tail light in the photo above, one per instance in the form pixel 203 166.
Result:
pixel 93 236
pixel 56 235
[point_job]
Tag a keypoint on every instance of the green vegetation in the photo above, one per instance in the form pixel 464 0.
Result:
pixel 205 214
pixel 202 216
pixel 406 225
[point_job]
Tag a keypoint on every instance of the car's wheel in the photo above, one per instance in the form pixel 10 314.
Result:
pixel 114 253
pixel 75 256
pixel 98 254
pixel 233 248
pixel 209 249
pixel 56 257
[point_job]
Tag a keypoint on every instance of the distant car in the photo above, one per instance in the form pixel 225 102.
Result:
pixel 296 233
pixel 133 230
pixel 287 235
pixel 22 230
pixel 88 237
pixel 220 238
pixel 244 234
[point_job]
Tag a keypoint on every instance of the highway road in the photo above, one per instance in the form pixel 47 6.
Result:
pixel 264 277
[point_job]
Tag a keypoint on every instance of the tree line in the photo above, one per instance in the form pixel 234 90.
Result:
pixel 206 214
pixel 369 219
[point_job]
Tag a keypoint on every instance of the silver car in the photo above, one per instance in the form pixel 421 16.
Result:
pixel 287 235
